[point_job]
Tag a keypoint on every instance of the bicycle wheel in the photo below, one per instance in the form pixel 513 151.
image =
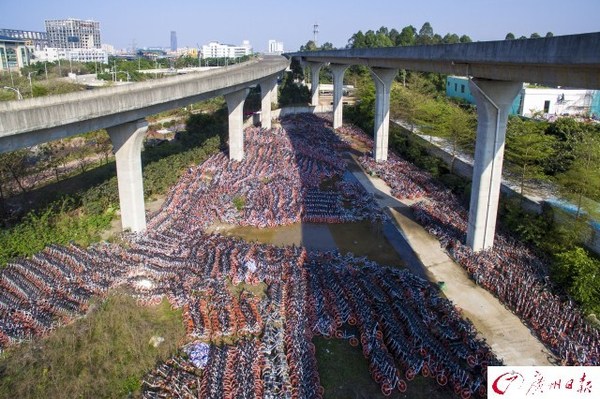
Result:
pixel 442 379
pixel 386 389
pixel 457 388
pixel 482 391
pixel 472 361
pixel 425 371
pixel 402 386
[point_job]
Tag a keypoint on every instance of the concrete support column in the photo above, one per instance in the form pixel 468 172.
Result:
pixel 494 99
pixel 127 140
pixel 337 71
pixel 275 93
pixel 315 68
pixel 235 106
pixel 266 89
pixel 383 78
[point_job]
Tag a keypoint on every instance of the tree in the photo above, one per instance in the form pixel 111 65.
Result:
pixel 407 37
pixel 580 184
pixel 458 127
pixel 510 36
pixel 446 120
pixel 383 31
pixel 309 46
pixel 102 143
pixel 579 273
pixel 297 71
pixel 14 164
pixel 377 39
pixel 465 39
pixel 549 34
pixel 535 35
pixel 356 41
pixel 451 38
pixel 394 36
pixel 425 35
pixel 327 46
pixel 404 104
pixel 568 132
pixel 528 150
pixel 53 154
pixel 291 93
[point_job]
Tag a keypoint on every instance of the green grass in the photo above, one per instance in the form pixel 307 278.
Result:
pixel 103 355
pixel 239 202
pixel 344 373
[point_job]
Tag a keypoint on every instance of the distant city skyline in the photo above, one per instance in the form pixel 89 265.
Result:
pixel 149 23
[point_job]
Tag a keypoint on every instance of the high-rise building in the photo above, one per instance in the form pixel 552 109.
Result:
pixel 275 47
pixel 73 33
pixel 173 40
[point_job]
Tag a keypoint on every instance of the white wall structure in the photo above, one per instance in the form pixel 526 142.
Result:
pixel 275 47
pixel 559 101
pixel 215 49
pixel 52 54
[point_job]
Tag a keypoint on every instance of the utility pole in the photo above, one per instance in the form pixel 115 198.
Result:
pixel 30 84
pixel 315 34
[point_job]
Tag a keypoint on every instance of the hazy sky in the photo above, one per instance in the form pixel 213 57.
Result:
pixel 149 22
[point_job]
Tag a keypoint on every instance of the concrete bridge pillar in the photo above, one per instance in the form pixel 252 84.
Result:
pixel 383 78
pixel 275 93
pixel 494 99
pixel 267 86
pixel 338 85
pixel 127 140
pixel 235 106
pixel 315 68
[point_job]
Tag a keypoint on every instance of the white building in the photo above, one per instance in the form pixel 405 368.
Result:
pixel 217 50
pixel 532 101
pixel 109 49
pixel 556 101
pixel 275 47
pixel 52 54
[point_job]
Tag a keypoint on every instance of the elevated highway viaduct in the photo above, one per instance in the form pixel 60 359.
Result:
pixel 121 111
pixel 496 71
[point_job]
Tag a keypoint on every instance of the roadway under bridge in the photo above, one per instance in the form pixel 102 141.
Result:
pixel 496 71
